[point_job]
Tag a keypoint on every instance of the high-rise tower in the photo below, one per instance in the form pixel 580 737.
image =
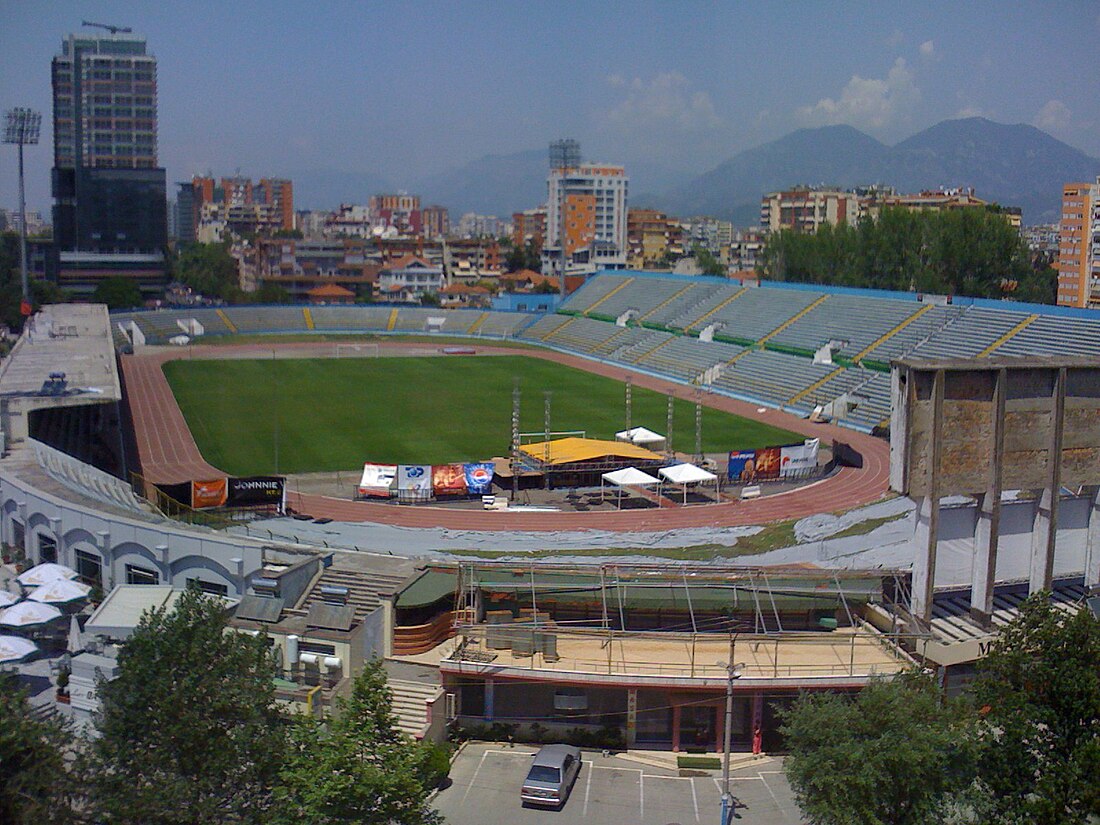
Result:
pixel 110 213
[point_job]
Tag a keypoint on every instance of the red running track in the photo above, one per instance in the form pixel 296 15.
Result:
pixel 168 454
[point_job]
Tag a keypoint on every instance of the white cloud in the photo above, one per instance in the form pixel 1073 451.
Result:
pixel 895 39
pixel 972 111
pixel 665 102
pixel 1055 116
pixel 868 102
pixel 928 50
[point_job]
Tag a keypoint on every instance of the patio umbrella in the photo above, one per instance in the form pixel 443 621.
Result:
pixel 44 574
pixel 76 644
pixel 60 592
pixel 15 649
pixel 28 614
pixel 7 599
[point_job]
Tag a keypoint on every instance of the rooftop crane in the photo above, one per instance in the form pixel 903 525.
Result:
pixel 111 29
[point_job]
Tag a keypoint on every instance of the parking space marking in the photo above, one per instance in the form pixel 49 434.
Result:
pixel 641 791
pixel 587 788
pixel 694 800
pixel 473 778
pixel 771 793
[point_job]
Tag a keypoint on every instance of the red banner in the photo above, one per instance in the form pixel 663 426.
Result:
pixel 448 480
pixel 209 493
pixel 768 462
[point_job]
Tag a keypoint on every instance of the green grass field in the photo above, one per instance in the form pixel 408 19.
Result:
pixel 334 414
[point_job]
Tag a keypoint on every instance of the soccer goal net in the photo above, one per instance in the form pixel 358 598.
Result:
pixel 355 350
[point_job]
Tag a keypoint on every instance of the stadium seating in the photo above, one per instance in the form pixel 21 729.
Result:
pixel 970 333
pixel 1049 336
pixel 350 318
pixel 916 332
pixel 759 311
pixel 267 319
pixel 683 301
pixel 593 291
pixel 687 358
pixel 642 295
pixel 854 320
pixel 772 376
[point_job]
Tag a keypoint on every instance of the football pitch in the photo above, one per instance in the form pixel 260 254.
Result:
pixel 253 417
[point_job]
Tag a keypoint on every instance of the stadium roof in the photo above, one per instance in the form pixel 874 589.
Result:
pixel 572 450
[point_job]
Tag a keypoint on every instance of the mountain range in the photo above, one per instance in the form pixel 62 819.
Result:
pixel 1013 165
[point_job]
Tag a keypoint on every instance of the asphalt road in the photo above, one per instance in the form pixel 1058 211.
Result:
pixel 486 778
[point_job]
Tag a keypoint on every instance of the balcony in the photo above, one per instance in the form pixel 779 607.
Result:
pixel 845 655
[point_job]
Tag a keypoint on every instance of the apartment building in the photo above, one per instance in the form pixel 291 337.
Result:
pixel 804 209
pixel 1078 262
pixel 653 239
pixel 529 226
pixel 207 209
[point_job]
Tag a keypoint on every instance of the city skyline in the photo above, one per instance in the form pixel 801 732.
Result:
pixel 382 92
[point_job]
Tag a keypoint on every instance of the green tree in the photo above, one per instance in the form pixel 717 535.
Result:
pixel 1038 691
pixel 429 299
pixel 270 293
pixel 707 262
pixel 210 270
pixel 358 767
pixel 189 731
pixel 891 755
pixel 40 781
pixel 117 293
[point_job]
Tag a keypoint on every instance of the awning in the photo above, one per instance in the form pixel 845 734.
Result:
pixel 572 450
pixel 630 477
pixel 641 436
pixel 686 474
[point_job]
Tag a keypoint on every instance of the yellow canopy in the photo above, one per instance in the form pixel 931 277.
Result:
pixel 571 450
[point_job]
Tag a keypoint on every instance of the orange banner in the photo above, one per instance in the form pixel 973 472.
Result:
pixel 209 493
pixel 448 480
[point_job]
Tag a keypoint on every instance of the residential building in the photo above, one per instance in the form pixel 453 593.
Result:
pixel 10 221
pixel 806 209
pixel 110 208
pixel 653 239
pixel 472 259
pixel 711 234
pixel 436 222
pixel 278 194
pixel 1079 246
pixel 299 266
pixel 208 209
pixel 745 249
pixel 400 211
pixel 529 226
pixel 408 278
pixel 586 215
pixel 473 225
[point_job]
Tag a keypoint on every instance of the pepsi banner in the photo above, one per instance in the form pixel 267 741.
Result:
pixel 479 477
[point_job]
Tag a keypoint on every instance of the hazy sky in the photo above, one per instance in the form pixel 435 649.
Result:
pixel 408 89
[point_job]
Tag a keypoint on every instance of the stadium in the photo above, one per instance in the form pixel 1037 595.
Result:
pixel 268 452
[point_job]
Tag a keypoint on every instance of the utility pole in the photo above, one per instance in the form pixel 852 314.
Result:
pixel 515 438
pixel 22 127
pixel 546 437
pixel 698 427
pixel 629 388
pixel 731 673
pixel 668 425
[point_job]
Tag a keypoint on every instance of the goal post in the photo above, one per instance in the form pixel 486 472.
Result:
pixel 355 351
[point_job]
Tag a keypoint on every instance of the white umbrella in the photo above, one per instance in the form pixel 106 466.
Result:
pixel 28 614
pixel 60 591
pixel 44 574
pixel 76 644
pixel 7 599
pixel 15 648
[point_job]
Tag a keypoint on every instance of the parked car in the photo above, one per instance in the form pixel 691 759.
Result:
pixel 553 772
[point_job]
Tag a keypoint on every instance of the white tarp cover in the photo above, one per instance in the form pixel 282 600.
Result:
pixel 377 479
pixel 686 474
pixel 630 477
pixel 798 459
pixel 640 435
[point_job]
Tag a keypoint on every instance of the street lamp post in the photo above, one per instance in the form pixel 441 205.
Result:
pixel 732 673
pixel 22 127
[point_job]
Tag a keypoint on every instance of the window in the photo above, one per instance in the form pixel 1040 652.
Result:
pixel 47 548
pixel 89 568
pixel 210 588
pixel 18 535
pixel 141 575
pixel 317 647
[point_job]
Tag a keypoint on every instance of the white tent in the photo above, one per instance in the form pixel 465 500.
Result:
pixel 15 649
pixel 628 477
pixel 685 474
pixel 28 614
pixel 7 599
pixel 60 592
pixel 642 437
pixel 44 574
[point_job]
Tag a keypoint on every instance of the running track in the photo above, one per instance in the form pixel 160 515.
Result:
pixel 168 454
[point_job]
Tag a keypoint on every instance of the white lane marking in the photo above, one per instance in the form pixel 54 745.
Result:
pixel 473 778
pixel 587 788
pixel 771 793
pixel 694 800
pixel 641 794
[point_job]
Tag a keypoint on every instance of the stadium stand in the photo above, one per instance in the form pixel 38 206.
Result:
pixel 350 318
pixel 593 292
pixel 267 319
pixel 970 333
pixel 1048 336
pixel 853 320
pixel 759 312
pixel 687 358
pixel 643 295
pixel 922 327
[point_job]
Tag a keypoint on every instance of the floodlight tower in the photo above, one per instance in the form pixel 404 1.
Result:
pixel 22 127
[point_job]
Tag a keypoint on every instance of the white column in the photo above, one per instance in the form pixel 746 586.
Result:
pixel 924 556
pixel 986 535
pixel 1092 543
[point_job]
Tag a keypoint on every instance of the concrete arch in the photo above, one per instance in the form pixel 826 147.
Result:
pixel 133 553
pixel 190 567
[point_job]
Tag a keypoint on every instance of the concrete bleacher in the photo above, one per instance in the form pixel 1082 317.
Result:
pixel 583 334
pixel 350 318
pixel 503 324
pixel 919 330
pixel 1054 336
pixel 760 311
pixel 262 319
pixel 545 326
pixel 970 333
pixel 771 376
pixel 594 290
pixel 642 295
pixel 687 358
pixel 873 402
pixel 638 343
pixel 854 320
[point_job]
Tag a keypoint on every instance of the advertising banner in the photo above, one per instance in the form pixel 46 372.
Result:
pixel 742 466
pixel 377 479
pixel 767 463
pixel 448 480
pixel 256 491
pixel 209 493
pixel 414 481
pixel 798 459
pixel 479 477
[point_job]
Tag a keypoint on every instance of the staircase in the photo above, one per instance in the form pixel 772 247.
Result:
pixel 363 589
pixel 410 705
